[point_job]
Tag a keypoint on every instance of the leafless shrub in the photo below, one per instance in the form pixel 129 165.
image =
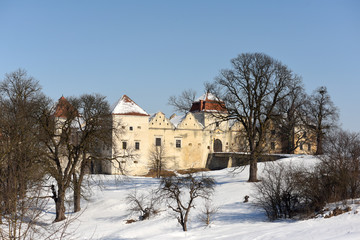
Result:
pixel 207 212
pixel 277 192
pixel 146 204
pixel 180 193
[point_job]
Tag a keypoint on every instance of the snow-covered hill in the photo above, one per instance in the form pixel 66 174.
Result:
pixel 104 215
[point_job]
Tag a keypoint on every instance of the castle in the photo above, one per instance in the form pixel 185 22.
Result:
pixel 182 141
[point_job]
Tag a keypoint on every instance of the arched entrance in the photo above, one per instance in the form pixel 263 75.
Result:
pixel 217 145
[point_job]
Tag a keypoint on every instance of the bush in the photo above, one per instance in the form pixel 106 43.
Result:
pixel 286 191
pixel 277 192
pixel 145 204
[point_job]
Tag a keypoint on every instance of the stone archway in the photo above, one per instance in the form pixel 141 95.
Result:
pixel 217 145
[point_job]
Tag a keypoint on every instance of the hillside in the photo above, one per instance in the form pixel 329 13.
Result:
pixel 105 213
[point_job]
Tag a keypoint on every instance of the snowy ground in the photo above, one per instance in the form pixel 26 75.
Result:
pixel 105 213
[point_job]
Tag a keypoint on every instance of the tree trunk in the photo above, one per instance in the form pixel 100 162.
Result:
pixel 319 143
pixel 60 204
pixel 253 168
pixel 77 196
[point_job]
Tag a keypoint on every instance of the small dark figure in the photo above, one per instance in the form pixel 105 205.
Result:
pixel 246 199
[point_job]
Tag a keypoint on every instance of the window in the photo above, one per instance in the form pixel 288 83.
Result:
pixel 217 124
pixel 157 141
pixel 273 132
pixel 124 145
pixel 301 146
pixel 304 135
pixel 178 143
pixel 131 128
pixel 272 145
pixel 309 147
pixel 137 145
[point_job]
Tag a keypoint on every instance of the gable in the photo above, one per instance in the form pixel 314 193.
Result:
pixel 159 120
pixel 190 122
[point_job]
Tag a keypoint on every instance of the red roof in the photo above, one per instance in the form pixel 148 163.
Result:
pixel 64 109
pixel 208 103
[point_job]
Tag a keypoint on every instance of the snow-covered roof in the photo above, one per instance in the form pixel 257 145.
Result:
pixel 126 106
pixel 177 120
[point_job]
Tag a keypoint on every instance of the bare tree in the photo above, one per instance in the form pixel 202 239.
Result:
pixel 288 125
pixel 157 159
pixel 22 159
pixel 340 164
pixel 75 132
pixel 322 115
pixel 20 153
pixel 93 133
pixel 181 192
pixel 57 133
pixel 183 102
pixel 251 90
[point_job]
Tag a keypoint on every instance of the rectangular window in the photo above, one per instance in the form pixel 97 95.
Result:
pixel 157 141
pixel 309 147
pixel 124 145
pixel 131 128
pixel 178 143
pixel 137 145
pixel 301 146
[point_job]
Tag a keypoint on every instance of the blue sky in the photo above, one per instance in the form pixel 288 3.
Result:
pixel 151 50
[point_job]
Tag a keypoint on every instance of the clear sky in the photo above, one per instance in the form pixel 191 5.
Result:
pixel 151 50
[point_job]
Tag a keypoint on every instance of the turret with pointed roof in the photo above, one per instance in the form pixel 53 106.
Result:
pixel 64 109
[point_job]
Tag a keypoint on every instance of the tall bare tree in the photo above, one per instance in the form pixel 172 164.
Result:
pixel 20 154
pixel 251 90
pixel 75 133
pixel 93 134
pixel 57 134
pixel 322 115
pixel 288 125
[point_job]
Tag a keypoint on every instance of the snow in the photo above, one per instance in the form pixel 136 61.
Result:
pixel 207 96
pixel 127 106
pixel 177 120
pixel 104 215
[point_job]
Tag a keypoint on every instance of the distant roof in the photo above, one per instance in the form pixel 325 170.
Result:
pixel 126 106
pixel 64 109
pixel 208 103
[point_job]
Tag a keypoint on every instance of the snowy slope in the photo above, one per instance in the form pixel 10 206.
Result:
pixel 104 215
